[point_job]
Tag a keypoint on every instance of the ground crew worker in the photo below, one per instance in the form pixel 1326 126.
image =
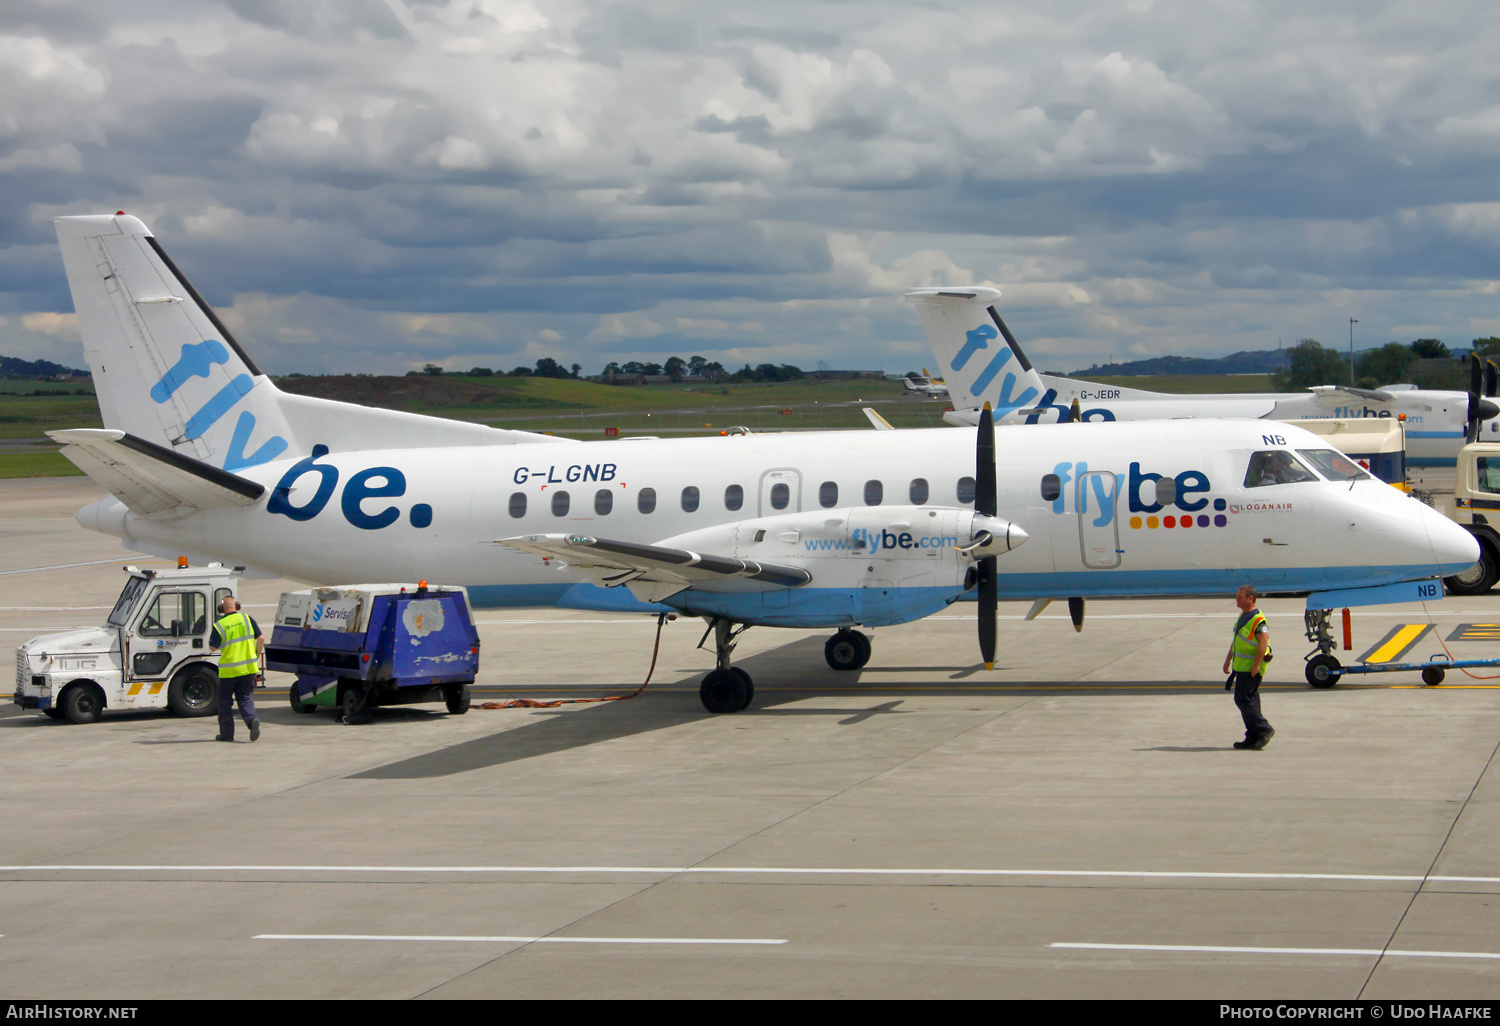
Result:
pixel 1245 664
pixel 239 667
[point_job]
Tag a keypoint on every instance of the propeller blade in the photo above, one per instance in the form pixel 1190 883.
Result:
pixel 1471 429
pixel 1075 413
pixel 985 499
pixel 1490 386
pixel 989 606
pixel 1075 613
pixel 1476 374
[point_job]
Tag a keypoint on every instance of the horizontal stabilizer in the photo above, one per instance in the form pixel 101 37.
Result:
pixel 150 479
pixel 613 563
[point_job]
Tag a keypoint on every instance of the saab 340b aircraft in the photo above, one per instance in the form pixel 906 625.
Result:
pixel 203 456
pixel 972 359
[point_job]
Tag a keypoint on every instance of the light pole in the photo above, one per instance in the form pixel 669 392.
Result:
pixel 1352 323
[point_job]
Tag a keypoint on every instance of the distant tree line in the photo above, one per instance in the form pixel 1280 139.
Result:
pixel 1311 364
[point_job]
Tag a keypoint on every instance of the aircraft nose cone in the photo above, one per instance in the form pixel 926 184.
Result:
pixel 1453 548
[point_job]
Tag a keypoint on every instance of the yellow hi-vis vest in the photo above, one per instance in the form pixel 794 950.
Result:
pixel 1245 645
pixel 237 655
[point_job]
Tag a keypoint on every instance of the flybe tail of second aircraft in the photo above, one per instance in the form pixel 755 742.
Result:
pixel 168 371
pixel 978 356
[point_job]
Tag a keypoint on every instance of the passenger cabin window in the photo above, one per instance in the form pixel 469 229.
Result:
pixel 1051 488
pixel 781 495
pixel 1333 464
pixel 918 491
pixel 518 504
pixel 828 495
pixel 175 614
pixel 874 492
pixel 645 501
pixel 604 501
pixel 734 498
pixel 1166 491
pixel 559 504
pixel 1274 467
pixel 690 499
pixel 1487 476
pixel 967 488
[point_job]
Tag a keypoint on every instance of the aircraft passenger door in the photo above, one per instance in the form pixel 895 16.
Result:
pixel 1098 522
pixel 780 492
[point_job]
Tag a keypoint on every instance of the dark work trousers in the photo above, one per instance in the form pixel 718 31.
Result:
pixel 1246 696
pixel 242 689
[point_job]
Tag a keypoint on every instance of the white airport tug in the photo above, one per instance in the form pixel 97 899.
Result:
pixel 151 653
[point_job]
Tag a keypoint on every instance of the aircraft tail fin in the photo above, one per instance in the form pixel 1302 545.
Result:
pixel 977 355
pixel 168 371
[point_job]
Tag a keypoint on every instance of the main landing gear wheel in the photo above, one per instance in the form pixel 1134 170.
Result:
pixel 727 690
pixel 1324 671
pixel 1432 676
pixel 847 650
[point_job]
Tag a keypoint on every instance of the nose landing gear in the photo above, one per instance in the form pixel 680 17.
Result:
pixel 725 689
pixel 1323 669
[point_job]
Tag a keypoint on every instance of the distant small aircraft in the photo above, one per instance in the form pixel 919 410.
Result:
pixel 924 385
pixel 982 357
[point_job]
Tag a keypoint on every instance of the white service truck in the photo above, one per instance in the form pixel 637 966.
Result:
pixel 151 653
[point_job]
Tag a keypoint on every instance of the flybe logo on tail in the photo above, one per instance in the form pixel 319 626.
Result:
pixel 196 361
pixel 977 340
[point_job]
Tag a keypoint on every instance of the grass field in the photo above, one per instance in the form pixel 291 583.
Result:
pixel 1179 384
pixel 36 464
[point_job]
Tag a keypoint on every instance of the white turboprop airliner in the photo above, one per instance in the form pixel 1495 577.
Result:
pixel 205 457
pixel 982 363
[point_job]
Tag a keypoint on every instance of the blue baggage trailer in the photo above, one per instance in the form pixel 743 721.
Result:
pixel 360 646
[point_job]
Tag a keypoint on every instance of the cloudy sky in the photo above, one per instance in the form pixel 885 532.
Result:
pixel 370 185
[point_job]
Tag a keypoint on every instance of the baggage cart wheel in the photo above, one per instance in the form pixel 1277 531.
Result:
pixel 1432 676
pixel 194 691
pixel 456 698
pixel 1323 671
pixel 355 704
pixel 82 703
pixel 295 700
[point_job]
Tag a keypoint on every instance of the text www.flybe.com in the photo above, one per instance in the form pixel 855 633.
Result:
pixel 860 540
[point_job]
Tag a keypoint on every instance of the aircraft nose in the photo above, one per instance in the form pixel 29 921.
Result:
pixel 1453 548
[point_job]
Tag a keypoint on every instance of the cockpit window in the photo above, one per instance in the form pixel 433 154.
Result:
pixel 1333 464
pixel 1274 467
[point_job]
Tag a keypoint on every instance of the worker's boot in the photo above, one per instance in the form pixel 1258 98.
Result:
pixel 254 730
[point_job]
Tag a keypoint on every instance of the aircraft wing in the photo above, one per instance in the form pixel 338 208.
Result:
pixel 1331 393
pixel 652 572
pixel 151 479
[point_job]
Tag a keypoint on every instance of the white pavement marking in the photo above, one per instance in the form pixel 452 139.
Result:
pixel 765 871
pixel 1218 949
pixel 516 940
pixel 69 566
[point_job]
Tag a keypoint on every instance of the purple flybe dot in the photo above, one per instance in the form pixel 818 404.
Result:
pixel 1221 521
pixel 1203 521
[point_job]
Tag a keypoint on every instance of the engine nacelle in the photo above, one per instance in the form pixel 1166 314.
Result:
pixel 864 546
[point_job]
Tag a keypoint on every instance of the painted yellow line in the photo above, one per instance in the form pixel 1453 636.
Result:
pixel 1391 649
